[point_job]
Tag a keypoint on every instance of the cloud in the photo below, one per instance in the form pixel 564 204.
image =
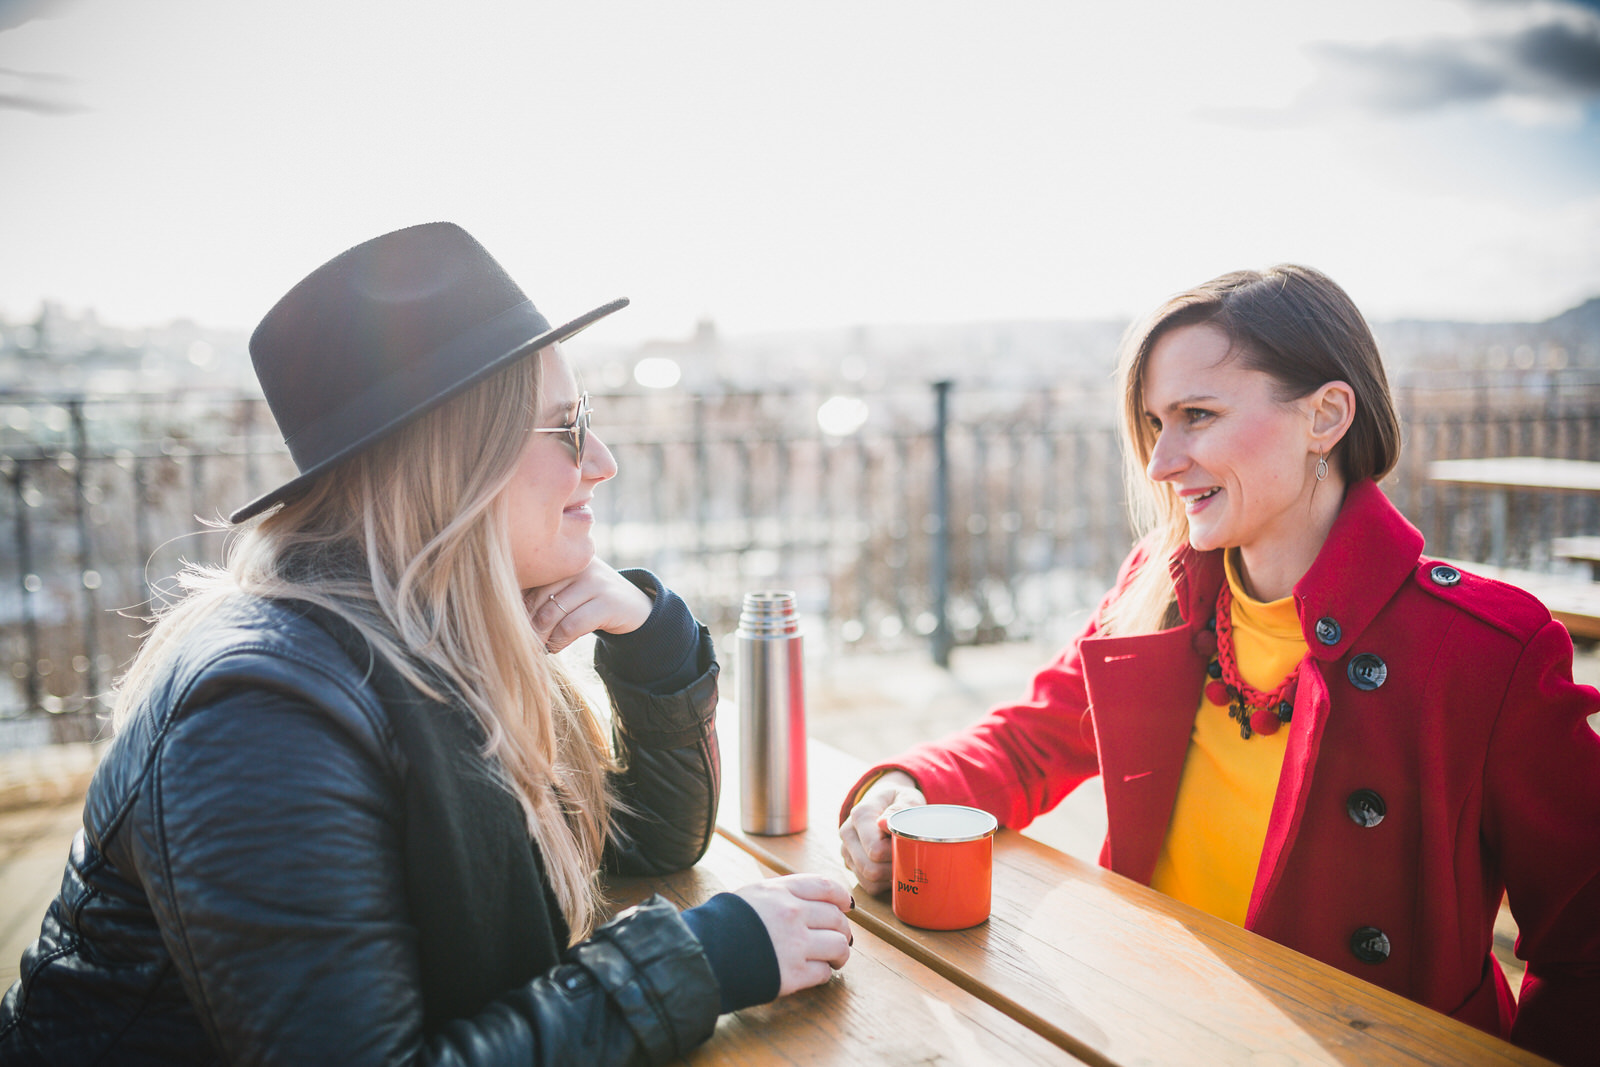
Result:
pixel 1592 5
pixel 1555 60
pixel 1532 60
pixel 1569 56
pixel 39 105
pixel 42 94
pixel 15 12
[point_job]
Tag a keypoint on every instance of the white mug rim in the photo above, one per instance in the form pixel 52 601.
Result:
pixel 925 809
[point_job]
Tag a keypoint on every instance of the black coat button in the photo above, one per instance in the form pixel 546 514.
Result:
pixel 1328 631
pixel 1365 808
pixel 1370 945
pixel 1367 671
pixel 1443 574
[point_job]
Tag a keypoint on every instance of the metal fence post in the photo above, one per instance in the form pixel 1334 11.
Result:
pixel 942 639
pixel 862 533
pixel 33 687
pixel 702 478
pixel 88 577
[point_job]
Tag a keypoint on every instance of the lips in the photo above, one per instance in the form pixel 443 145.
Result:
pixel 1190 503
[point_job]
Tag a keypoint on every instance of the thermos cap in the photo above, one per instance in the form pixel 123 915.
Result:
pixel 768 613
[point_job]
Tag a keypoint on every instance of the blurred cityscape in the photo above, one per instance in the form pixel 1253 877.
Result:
pixel 918 486
pixel 60 351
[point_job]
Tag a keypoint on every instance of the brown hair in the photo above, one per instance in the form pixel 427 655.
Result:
pixel 1292 323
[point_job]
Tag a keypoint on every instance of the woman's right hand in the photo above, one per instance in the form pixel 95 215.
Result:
pixel 805 917
pixel 864 837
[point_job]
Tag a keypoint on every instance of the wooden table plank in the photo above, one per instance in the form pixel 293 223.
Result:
pixel 1585 549
pixel 1116 973
pixel 882 1008
pixel 1519 472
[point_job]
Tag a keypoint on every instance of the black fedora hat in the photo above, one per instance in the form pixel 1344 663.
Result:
pixel 384 332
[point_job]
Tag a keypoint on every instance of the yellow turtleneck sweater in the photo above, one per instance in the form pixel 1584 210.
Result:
pixel 1219 820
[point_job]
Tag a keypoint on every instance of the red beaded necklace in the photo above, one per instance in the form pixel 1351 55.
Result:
pixel 1257 712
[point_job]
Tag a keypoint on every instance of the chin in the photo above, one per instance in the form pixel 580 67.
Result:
pixel 1205 540
pixel 548 572
pixel 579 558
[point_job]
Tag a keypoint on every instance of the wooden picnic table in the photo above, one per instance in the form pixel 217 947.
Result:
pixel 1584 549
pixel 1103 968
pixel 884 1007
pixel 1501 477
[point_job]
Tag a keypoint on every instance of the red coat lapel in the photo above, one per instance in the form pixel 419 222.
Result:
pixel 1148 686
pixel 1145 690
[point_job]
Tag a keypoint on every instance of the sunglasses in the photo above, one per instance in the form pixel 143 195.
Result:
pixel 577 430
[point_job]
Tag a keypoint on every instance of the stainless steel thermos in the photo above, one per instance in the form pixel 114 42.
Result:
pixel 772 715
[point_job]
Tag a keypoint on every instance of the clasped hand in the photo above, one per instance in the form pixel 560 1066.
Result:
pixel 804 915
pixel 596 598
pixel 864 837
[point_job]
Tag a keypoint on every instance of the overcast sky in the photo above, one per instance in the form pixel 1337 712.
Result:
pixel 786 164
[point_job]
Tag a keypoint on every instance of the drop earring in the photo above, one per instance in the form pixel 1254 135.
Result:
pixel 1322 467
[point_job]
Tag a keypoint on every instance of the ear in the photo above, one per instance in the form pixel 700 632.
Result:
pixel 1331 409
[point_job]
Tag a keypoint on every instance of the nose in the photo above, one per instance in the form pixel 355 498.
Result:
pixel 1167 459
pixel 598 463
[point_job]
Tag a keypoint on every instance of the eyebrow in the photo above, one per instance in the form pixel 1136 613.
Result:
pixel 556 411
pixel 1187 401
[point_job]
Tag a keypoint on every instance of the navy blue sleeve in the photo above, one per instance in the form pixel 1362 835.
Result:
pixel 741 953
pixel 660 656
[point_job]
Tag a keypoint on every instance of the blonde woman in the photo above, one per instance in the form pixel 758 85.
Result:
pixel 1302 725
pixel 354 810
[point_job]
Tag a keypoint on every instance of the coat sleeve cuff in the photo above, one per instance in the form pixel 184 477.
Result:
pixel 657 974
pixel 866 782
pixel 740 951
pixel 661 655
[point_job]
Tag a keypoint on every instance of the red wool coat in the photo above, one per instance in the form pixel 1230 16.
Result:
pixel 1442 699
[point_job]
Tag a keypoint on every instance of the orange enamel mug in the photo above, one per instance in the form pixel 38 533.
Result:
pixel 943 865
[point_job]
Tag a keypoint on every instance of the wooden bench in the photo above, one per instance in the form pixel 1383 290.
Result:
pixel 1586 549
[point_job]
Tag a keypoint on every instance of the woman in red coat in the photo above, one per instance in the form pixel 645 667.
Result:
pixel 1304 726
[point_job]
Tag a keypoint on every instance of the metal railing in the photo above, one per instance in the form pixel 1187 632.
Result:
pixel 950 517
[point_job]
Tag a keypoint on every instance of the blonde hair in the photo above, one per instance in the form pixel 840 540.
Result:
pixel 407 542
pixel 1290 322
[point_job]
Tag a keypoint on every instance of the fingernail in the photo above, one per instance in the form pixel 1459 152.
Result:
pixel 849 938
pixel 852 903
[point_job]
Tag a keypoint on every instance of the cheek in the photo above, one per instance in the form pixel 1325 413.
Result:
pixel 1258 448
pixel 538 495
pixel 1271 468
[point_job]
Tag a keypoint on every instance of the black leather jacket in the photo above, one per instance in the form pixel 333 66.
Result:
pixel 157 884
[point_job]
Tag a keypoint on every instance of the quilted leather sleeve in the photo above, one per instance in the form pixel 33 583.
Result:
pixel 672 771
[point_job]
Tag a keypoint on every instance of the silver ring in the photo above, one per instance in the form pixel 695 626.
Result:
pixel 557 603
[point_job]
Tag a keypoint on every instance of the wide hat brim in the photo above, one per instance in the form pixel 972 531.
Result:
pixel 505 334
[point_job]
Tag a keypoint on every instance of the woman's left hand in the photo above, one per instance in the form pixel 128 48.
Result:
pixel 596 598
